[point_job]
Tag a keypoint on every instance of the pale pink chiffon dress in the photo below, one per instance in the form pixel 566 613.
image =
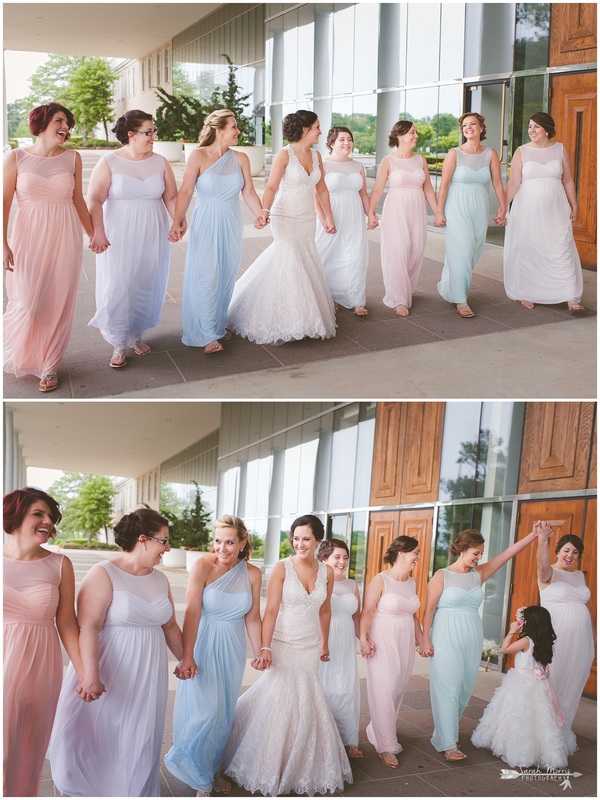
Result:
pixel 392 631
pixel 47 244
pixel 32 669
pixel 403 230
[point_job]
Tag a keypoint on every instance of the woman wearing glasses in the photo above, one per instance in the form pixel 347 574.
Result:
pixel 111 747
pixel 135 187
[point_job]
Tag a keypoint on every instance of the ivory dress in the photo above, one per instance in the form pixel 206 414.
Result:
pixel 47 243
pixel 392 631
pixel 541 262
pixel 32 669
pixel 339 676
pixel 523 723
pixel 283 295
pixel 566 598
pixel 403 230
pixel 284 737
pixel 457 636
pixel 204 706
pixel 466 210
pixel 214 252
pixel 132 274
pixel 345 254
pixel 111 747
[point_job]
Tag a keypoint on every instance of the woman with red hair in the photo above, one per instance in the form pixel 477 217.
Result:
pixel 39 594
pixel 43 261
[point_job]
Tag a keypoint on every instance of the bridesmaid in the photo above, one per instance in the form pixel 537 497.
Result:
pixel 223 601
pixel 404 220
pixel 388 630
pixel 541 263
pixel 564 593
pixel 453 634
pixel 463 207
pixel 43 271
pixel 136 187
pixel 339 676
pixel 345 256
pixel 39 596
pixel 214 252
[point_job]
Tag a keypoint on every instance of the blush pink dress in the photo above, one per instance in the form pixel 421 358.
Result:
pixel 403 230
pixel 47 244
pixel 32 669
pixel 392 631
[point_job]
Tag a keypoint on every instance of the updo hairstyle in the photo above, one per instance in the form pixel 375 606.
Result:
pixel 400 128
pixel 41 117
pixel 401 544
pixel 130 121
pixel 314 523
pixel 294 124
pixel 217 120
pixel 333 133
pixel 480 120
pixel 17 503
pixel 546 121
pixel 229 521
pixel 569 538
pixel 130 527
pixel 465 540
pixel 327 547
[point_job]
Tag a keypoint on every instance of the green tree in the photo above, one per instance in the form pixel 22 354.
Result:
pixel 233 98
pixel 91 91
pixel 17 117
pixel 50 81
pixel 86 502
pixel 178 117
pixel 192 528
pixel 170 503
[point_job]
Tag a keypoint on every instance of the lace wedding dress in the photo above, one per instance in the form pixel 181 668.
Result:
pixel 284 737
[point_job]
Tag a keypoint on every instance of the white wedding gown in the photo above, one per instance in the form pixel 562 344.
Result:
pixel 284 737
pixel 283 295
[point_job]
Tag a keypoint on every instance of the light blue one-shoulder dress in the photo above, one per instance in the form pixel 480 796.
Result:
pixel 457 636
pixel 204 706
pixel 214 252
pixel 466 210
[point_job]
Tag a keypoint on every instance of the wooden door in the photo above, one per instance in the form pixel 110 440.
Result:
pixel 576 516
pixel 573 107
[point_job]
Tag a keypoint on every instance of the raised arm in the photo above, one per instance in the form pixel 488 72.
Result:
pixel 516 176
pixel 10 186
pixel 435 587
pixel 93 601
pixel 500 218
pixel 79 202
pixel 372 596
pixel 274 591
pixel 97 193
pixel 448 168
pixel 252 618
pixel 508 646
pixel 569 183
pixel 191 618
pixel 543 532
pixel 383 172
pixel 172 632
pixel 487 570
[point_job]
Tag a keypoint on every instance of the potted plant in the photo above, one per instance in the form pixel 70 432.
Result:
pixel 178 119
pixel 189 530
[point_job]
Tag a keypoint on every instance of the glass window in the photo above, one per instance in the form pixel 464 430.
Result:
pixel 306 55
pixel 364 454
pixel 459 451
pixel 532 35
pixel 366 38
pixel 500 436
pixel 158 69
pixel 364 128
pixel 529 97
pixel 166 64
pixel 290 56
pixel 343 51
pixel 422 50
pixel 343 456
pixel 452 41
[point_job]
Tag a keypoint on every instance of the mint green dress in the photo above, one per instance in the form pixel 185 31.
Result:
pixel 457 636
pixel 467 211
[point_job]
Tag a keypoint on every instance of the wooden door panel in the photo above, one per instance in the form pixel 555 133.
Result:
pixel 422 452
pixel 572 34
pixel 383 529
pixel 418 523
pixel 588 567
pixel 387 463
pixel 573 107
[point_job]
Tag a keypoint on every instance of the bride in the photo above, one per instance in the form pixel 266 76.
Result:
pixel 283 295
pixel 284 737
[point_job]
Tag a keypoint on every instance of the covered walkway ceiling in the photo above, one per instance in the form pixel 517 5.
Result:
pixel 116 438
pixel 117 30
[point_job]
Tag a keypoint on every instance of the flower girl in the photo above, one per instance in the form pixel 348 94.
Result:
pixel 523 723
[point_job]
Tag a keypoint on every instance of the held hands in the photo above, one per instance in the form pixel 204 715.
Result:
pixel 372 221
pixel 426 649
pixel 99 243
pixel 439 220
pixel 90 690
pixel 177 231
pixel 263 660
pixel 500 218
pixel 329 225
pixel 367 648
pixel 8 259
pixel 187 668
pixel 543 530
pixel 262 220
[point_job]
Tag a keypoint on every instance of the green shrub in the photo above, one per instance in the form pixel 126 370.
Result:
pixel 13 143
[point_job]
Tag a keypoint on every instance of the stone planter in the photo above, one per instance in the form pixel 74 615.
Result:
pixel 256 154
pixel 189 147
pixel 190 557
pixel 172 151
pixel 175 557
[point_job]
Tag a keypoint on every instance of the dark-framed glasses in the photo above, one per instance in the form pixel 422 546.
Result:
pixel 153 132
pixel 164 542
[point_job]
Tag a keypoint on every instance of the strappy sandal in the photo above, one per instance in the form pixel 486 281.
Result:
pixel 527 304
pixel 573 305
pixel 464 310
pixel 454 754
pixel 49 382
pixel 118 358
pixel 389 759
pixel 220 784
pixel 228 335
pixel 141 348
pixel 213 347
pixel 361 311
pixel 402 311
pixel 354 752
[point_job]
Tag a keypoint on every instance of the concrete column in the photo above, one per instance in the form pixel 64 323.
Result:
pixel 9 442
pixel 277 90
pixel 388 74
pixel 272 538
pixel 323 70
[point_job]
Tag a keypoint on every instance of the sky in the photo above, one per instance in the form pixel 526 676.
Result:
pixel 19 66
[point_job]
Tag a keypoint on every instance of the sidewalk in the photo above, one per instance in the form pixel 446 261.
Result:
pixel 423 772
pixel 505 351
